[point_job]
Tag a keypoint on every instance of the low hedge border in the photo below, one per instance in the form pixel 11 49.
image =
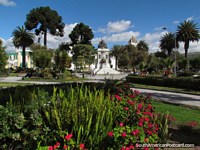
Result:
pixel 187 83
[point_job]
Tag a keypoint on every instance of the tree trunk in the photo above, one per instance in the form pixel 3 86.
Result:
pixel 23 57
pixel 186 47
pixel 116 59
pixel 45 37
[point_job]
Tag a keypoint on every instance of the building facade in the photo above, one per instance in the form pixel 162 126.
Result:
pixel 15 59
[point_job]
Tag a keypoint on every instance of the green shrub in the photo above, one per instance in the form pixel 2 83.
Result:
pixel 187 83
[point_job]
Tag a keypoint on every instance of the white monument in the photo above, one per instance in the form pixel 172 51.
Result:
pixel 103 65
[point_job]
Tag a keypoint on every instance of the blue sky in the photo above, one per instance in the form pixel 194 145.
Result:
pixel 115 21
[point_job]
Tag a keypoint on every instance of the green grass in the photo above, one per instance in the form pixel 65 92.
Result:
pixel 182 114
pixel 9 84
pixel 166 89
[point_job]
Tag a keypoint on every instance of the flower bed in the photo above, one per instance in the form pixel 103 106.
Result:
pixel 83 119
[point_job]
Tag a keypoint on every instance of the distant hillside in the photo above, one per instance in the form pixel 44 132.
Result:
pixel 192 54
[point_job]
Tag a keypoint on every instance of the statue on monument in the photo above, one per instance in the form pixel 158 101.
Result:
pixel 102 44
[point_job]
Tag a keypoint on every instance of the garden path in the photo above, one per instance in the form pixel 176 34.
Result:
pixel 171 97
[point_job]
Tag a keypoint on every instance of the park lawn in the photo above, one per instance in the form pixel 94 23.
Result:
pixel 182 114
pixel 166 89
pixel 11 84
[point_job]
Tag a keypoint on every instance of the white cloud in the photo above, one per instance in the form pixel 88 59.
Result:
pixel 190 18
pixel 7 3
pixel 118 26
pixel 153 40
pixel 117 38
pixel 176 22
pixel 52 41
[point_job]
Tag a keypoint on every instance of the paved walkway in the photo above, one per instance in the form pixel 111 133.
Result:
pixel 170 97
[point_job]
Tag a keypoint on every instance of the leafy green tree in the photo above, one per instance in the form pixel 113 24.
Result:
pixel 83 55
pixel 161 54
pixel 168 42
pixel 22 38
pixel 62 60
pixel 116 51
pixel 81 34
pixel 195 63
pixel 3 56
pixel 187 32
pixel 48 21
pixel 42 56
pixel 142 45
pixel 65 46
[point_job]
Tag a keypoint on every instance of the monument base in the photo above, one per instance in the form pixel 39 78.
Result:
pixel 104 71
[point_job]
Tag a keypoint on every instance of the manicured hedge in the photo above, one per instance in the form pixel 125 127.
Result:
pixel 187 83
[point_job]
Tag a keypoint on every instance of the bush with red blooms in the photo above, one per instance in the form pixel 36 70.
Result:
pixel 135 123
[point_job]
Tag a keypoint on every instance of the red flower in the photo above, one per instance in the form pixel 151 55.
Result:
pixel 150 125
pixel 132 95
pixel 65 147
pixel 130 102
pixel 140 106
pixel 135 132
pixel 146 148
pixel 138 112
pixel 149 106
pixel 136 92
pixel 110 134
pixel 122 148
pixel 118 97
pixel 123 134
pixel 140 124
pixel 131 147
pixel 146 119
pixel 50 148
pixel 68 137
pixel 127 148
pixel 149 132
pixel 125 108
pixel 121 124
pixel 81 146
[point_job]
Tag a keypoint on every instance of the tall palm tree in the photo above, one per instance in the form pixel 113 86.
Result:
pixel 116 52
pixel 22 38
pixel 187 32
pixel 142 45
pixel 168 42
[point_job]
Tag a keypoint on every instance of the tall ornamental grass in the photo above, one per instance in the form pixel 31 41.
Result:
pixel 88 115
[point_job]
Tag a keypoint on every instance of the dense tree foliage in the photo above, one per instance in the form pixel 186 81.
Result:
pixel 81 34
pixel 65 46
pixel 142 45
pixel 168 42
pixel 128 56
pixel 42 56
pixel 47 19
pixel 116 52
pixel 187 32
pixel 22 38
pixel 83 55
pixel 62 60
pixel 3 56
